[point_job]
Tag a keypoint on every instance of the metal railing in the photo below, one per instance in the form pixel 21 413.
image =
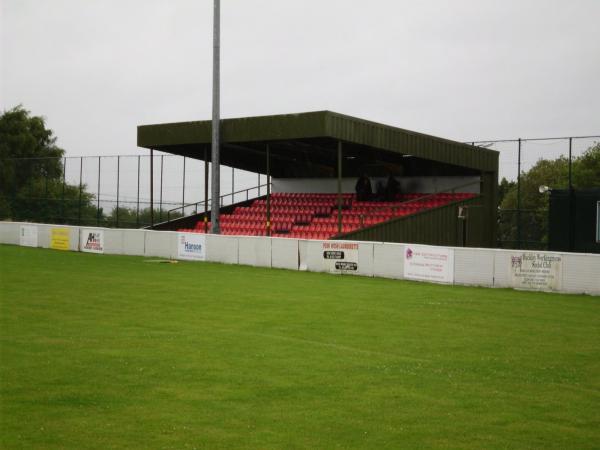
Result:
pixel 205 203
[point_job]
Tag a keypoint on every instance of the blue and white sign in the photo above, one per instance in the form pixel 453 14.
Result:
pixel 191 246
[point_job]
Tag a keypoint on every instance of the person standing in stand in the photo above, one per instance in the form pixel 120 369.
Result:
pixel 364 191
pixel 392 188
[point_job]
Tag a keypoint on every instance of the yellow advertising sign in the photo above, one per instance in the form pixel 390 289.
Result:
pixel 59 238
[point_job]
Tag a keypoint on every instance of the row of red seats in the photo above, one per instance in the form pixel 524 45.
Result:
pixel 305 215
pixel 305 195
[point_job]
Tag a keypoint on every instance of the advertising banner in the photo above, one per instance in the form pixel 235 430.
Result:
pixel 340 257
pixel 60 238
pixel 92 241
pixel 28 237
pixel 429 263
pixel 191 246
pixel 531 270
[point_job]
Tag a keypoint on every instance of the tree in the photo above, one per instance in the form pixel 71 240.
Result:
pixel 129 217
pixel 534 206
pixel 31 167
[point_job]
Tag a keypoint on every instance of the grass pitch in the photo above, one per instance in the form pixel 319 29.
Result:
pixel 102 351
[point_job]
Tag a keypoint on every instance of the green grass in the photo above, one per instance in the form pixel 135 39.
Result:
pixel 105 352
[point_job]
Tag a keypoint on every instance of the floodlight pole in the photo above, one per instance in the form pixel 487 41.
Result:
pixel 216 163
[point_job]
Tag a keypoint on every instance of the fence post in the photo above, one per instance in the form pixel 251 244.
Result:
pixel 183 192
pixel 62 203
pixel 519 195
pixel 571 199
pixel 14 187
pixel 151 188
pixel 137 215
pixel 80 189
pixel 118 173
pixel 98 199
pixel 161 187
pixel 205 189
pixel 339 185
pixel 268 190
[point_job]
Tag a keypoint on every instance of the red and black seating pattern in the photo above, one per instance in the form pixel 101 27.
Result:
pixel 314 216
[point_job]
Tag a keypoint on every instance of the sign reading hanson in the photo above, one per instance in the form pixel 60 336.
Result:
pixel 191 246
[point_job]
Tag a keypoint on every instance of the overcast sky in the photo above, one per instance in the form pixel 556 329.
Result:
pixel 461 69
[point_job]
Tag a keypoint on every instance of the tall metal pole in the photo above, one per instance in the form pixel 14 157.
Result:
pixel 151 187
pixel 98 199
pixel 216 162
pixel 268 190
pixel 519 196
pixel 205 189
pixel 339 185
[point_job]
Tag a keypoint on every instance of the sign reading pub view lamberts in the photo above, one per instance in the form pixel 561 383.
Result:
pixel 339 257
pixel 532 270
pixel 92 241
pixel 429 263
pixel 191 246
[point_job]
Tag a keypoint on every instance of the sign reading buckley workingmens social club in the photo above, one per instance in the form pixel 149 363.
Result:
pixel 92 240
pixel 191 246
pixel 429 263
pixel 532 270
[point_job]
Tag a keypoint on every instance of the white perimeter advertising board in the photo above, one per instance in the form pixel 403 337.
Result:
pixel 340 257
pixel 28 236
pixel 191 246
pixel 530 270
pixel 91 240
pixel 429 263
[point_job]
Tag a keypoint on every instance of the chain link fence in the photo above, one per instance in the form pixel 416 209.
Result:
pixel 114 191
pixel 523 211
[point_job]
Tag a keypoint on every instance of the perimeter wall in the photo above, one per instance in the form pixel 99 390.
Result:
pixel 547 271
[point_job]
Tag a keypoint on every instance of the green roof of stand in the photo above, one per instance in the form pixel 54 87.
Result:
pixel 304 144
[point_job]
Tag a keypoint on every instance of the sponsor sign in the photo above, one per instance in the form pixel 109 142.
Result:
pixel 191 246
pixel 28 236
pixel 340 257
pixel 531 270
pixel 429 263
pixel 60 238
pixel 92 241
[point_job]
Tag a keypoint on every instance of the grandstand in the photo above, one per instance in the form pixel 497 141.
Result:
pixel 312 160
